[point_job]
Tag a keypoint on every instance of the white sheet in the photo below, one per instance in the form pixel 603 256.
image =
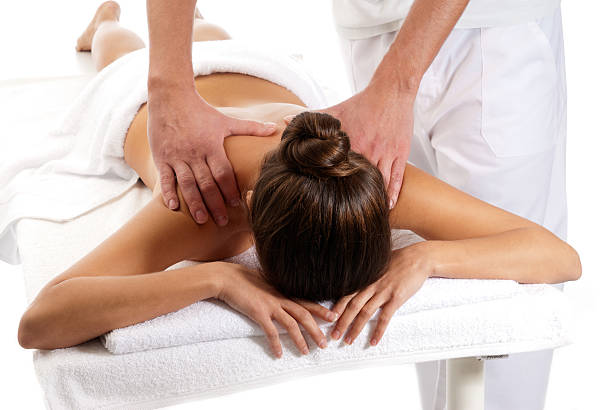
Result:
pixel 88 376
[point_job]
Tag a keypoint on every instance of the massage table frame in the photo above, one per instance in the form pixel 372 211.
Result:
pixel 465 383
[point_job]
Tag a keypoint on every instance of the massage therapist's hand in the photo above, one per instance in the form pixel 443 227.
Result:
pixel 408 269
pixel 379 123
pixel 248 293
pixel 186 136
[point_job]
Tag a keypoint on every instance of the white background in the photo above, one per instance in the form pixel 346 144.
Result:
pixel 37 39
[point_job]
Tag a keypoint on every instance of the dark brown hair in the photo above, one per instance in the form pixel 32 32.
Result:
pixel 319 213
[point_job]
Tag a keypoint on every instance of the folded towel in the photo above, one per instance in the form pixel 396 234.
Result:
pixel 211 320
pixel 79 166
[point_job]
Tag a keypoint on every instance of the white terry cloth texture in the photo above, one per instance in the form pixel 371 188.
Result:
pixel 88 376
pixel 84 154
pixel 211 320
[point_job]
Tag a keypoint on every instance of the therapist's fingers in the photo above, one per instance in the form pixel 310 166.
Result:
pixel 384 165
pixel 271 334
pixel 288 119
pixel 210 192
pixel 364 316
pixel 191 193
pixel 289 323
pixel 304 317
pixel 167 183
pixel 223 173
pixel 249 127
pixel 396 181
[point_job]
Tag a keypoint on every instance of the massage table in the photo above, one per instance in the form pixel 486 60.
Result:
pixel 530 318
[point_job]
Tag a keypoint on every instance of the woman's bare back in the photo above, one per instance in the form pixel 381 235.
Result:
pixel 240 96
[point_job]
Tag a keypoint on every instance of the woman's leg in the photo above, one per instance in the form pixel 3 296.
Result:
pixel 204 31
pixel 108 41
pixel 105 38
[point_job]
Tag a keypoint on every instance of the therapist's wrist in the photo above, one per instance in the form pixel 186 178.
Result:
pixel 396 78
pixel 168 86
pixel 394 88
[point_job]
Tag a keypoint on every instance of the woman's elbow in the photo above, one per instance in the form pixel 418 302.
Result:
pixel 574 264
pixel 27 335
pixel 36 329
pixel 562 261
pixel 569 267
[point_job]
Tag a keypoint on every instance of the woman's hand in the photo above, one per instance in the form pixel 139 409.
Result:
pixel 245 291
pixel 407 271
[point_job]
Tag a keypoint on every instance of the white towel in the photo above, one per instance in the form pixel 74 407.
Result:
pixel 79 166
pixel 211 320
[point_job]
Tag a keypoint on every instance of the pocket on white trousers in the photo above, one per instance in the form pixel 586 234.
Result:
pixel 521 98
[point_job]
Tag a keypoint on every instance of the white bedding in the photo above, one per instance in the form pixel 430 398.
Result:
pixel 89 376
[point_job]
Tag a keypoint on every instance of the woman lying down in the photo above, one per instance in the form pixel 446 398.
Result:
pixel 316 212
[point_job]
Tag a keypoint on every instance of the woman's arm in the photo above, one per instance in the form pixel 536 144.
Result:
pixel 109 287
pixel 469 238
pixel 84 307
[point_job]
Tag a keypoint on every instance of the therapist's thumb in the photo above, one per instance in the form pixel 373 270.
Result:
pixel 256 128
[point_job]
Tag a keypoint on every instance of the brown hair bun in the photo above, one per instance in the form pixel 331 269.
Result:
pixel 314 144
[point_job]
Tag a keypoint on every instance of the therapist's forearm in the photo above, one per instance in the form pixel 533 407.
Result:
pixel 170 37
pixel 418 41
pixel 526 255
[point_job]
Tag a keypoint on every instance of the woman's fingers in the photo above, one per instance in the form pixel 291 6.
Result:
pixel 318 310
pixel 352 309
pixel 340 305
pixel 383 321
pixel 366 313
pixel 304 317
pixel 272 334
pixel 293 329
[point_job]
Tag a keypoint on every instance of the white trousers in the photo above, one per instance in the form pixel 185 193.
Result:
pixel 490 119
